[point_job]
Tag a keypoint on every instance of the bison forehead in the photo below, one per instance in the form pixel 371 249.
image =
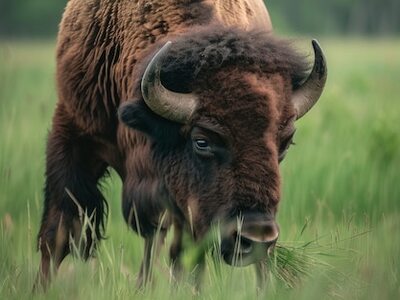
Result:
pixel 198 56
pixel 246 104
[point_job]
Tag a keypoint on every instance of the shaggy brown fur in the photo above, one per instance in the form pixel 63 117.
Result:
pixel 244 80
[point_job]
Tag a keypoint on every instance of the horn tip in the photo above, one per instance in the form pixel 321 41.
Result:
pixel 320 60
pixel 316 46
pixel 315 43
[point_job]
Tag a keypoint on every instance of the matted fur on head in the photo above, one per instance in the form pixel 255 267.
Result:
pixel 203 53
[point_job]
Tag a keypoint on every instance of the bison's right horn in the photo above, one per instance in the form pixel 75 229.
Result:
pixel 305 97
pixel 173 106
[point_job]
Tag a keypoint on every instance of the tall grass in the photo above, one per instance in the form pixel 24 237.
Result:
pixel 339 216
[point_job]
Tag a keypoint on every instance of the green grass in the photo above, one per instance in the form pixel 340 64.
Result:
pixel 339 216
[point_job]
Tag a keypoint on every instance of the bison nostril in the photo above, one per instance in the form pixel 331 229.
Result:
pixel 245 245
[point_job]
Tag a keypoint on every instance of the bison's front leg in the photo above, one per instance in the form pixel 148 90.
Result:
pixel 146 267
pixel 152 248
pixel 144 211
pixel 73 169
pixel 175 251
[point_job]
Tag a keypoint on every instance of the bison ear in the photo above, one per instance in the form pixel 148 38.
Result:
pixel 136 115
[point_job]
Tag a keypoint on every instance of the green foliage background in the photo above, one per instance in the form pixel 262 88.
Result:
pixel 30 18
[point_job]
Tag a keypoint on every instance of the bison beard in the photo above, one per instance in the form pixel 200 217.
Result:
pixel 196 129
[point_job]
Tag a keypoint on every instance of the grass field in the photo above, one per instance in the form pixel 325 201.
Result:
pixel 341 200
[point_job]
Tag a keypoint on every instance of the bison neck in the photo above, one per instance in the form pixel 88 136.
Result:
pixel 247 14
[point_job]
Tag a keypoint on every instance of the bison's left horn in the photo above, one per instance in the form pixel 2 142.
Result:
pixel 173 106
pixel 308 94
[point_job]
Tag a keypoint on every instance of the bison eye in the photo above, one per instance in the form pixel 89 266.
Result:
pixel 202 144
pixel 202 147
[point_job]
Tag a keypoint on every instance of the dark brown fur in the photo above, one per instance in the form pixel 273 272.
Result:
pixel 244 82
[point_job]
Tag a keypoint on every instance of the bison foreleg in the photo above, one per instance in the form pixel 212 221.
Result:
pixel 74 206
pixel 198 273
pixel 152 248
pixel 175 251
pixel 147 264
pixel 53 251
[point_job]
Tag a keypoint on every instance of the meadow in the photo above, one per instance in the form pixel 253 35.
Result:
pixel 341 190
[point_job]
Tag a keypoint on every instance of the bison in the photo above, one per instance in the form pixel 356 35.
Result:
pixel 193 103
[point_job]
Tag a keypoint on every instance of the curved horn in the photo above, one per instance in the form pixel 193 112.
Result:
pixel 308 94
pixel 168 104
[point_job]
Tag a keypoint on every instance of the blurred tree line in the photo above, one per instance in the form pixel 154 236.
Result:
pixel 369 17
pixel 30 17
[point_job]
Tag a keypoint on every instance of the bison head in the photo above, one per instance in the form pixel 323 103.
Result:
pixel 220 111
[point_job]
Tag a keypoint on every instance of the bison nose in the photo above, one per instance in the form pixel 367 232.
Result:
pixel 249 241
pixel 265 232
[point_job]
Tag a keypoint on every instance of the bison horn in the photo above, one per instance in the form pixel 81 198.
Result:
pixel 170 105
pixel 309 92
